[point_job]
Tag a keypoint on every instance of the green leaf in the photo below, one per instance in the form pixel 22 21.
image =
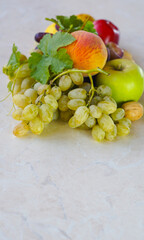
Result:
pixel 39 64
pixel 33 60
pixel 44 42
pixel 13 63
pixel 52 20
pixel 70 24
pixel 60 61
pixel 50 44
pixel 89 27
pixel 41 73
pixel 67 24
pixel 54 59
pixel 9 86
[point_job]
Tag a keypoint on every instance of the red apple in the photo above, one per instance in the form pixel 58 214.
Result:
pixel 107 31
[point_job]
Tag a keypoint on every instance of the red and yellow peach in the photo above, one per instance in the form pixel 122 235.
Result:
pixel 88 51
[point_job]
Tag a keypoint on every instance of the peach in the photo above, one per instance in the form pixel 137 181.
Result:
pixel 88 51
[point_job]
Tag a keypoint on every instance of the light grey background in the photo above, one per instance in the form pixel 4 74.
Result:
pixel 63 185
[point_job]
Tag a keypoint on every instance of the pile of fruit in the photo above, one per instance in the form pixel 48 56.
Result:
pixel 77 73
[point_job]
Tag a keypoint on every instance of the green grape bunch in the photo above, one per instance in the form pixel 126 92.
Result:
pixel 69 98
pixel 64 95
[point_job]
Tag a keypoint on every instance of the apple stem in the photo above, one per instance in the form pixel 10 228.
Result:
pixel 77 70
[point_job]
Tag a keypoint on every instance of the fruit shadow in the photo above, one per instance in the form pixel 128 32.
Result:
pixel 55 127
pixel 59 130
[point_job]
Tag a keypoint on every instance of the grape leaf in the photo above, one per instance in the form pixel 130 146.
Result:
pixel 50 44
pixel 60 61
pixel 54 59
pixel 68 24
pixel 39 64
pixel 34 59
pixel 9 86
pixel 89 27
pixel 13 63
pixel 52 20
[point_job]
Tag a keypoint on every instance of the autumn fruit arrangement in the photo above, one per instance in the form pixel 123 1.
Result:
pixel 77 73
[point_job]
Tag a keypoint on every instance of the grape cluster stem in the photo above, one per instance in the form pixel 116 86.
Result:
pixel 92 90
pixel 3 99
pixel 78 71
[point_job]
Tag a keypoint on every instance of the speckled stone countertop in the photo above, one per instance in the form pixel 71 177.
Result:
pixel 63 185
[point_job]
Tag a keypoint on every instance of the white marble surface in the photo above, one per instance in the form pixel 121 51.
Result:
pixel 63 185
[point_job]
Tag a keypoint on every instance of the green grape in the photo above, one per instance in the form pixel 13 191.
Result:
pixel 106 123
pixel 77 93
pixel 107 107
pixel 110 136
pixel 21 129
pixel 30 112
pixel 56 115
pixel 62 103
pixel 23 71
pixel 81 115
pixel 32 94
pixel 23 58
pixel 73 104
pixel 98 133
pixel 95 100
pixel 72 122
pixel 17 88
pixel 65 82
pixel 56 92
pixel 125 121
pixel 50 100
pixel 40 100
pixel 122 130
pixel 65 116
pixel 109 99
pixel 46 113
pixel 95 111
pixel 104 90
pixel 86 86
pixel 37 85
pixel 118 114
pixel 36 125
pixel 27 83
pixel 90 122
pixel 42 89
pixel 17 114
pixel 22 91
pixel 18 81
pixel 77 78
pixel 20 100
pixel 48 89
pixel 84 127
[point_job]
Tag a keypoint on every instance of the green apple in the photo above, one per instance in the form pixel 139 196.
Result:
pixel 126 79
